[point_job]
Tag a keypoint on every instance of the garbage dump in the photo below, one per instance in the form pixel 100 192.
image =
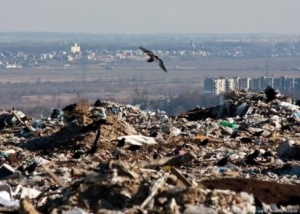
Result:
pixel 239 157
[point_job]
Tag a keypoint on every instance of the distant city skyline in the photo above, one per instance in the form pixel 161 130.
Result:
pixel 148 17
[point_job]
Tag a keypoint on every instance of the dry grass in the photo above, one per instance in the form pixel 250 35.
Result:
pixel 82 107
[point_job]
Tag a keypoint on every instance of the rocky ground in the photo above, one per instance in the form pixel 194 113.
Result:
pixel 238 157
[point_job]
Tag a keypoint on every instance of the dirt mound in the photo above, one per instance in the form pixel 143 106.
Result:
pixel 268 192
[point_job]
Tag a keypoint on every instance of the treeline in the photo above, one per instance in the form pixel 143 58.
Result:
pixel 48 95
pixel 176 104
pixel 185 102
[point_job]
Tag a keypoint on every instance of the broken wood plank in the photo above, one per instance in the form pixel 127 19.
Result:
pixel 181 177
pixel 159 183
pixel 54 176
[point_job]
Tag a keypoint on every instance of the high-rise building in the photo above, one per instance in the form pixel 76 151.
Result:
pixel 214 85
pixel 218 85
pixel 244 83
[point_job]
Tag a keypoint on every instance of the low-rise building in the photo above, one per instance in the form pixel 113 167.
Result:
pixel 75 49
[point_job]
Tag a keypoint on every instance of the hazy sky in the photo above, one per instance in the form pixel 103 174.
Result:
pixel 151 16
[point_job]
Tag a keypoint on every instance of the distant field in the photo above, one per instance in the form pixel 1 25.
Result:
pixel 127 74
pixel 57 87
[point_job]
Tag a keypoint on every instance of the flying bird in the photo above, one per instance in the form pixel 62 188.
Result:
pixel 154 58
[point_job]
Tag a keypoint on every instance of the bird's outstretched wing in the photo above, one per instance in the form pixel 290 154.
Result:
pixel 146 51
pixel 153 58
pixel 161 64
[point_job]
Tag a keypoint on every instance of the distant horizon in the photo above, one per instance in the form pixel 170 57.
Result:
pixel 138 38
pixel 158 33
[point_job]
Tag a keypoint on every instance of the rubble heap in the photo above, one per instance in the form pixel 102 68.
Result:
pixel 239 157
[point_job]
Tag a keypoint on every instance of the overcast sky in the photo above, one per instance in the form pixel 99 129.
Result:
pixel 151 16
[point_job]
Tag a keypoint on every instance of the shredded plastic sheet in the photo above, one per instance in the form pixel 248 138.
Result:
pixel 138 140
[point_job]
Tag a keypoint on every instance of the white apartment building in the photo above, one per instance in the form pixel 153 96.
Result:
pixel 216 85
pixel 244 83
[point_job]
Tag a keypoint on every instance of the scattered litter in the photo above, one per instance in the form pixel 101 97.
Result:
pixel 241 156
pixel 138 140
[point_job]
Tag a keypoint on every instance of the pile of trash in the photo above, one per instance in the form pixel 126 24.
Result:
pixel 239 157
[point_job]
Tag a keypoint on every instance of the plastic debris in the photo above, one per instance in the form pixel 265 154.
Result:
pixel 241 156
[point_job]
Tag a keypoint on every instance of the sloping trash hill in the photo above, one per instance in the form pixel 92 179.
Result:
pixel 241 156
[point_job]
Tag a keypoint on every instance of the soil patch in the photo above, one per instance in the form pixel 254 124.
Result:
pixel 267 191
